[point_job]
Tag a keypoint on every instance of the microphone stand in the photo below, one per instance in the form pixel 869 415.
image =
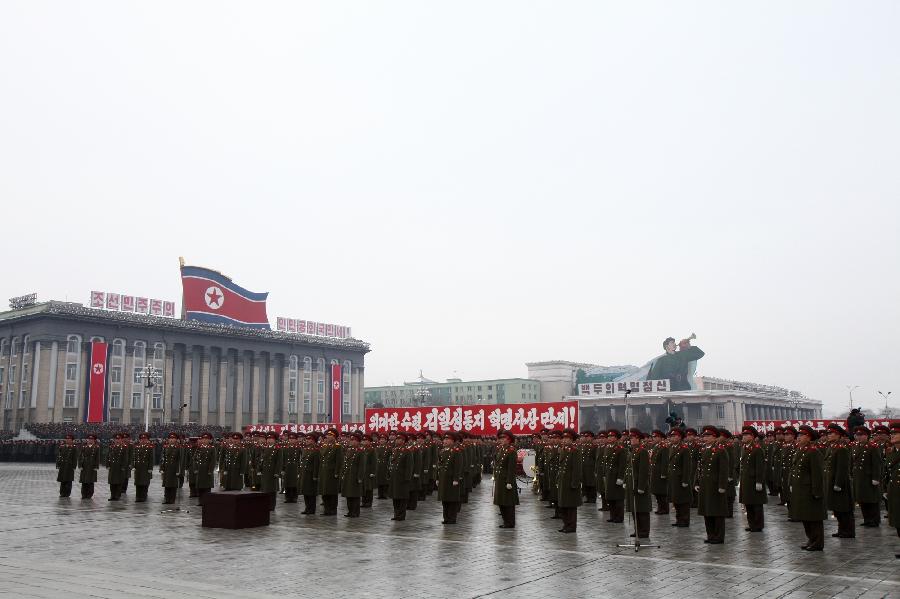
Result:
pixel 636 544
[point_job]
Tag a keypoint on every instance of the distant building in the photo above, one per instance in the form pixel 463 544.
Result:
pixel 424 391
pixel 716 401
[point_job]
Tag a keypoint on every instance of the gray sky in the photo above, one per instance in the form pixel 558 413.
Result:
pixel 475 185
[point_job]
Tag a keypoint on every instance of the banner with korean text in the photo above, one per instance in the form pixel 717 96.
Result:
pixel 321 427
pixel 521 419
pixel 768 425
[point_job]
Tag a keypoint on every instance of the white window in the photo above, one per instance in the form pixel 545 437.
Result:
pixel 118 348
pixel 292 385
pixel 320 386
pixel 115 374
pixel 69 399
pixel 159 351
pixel 720 411
pixel 115 399
pixel 71 372
pixel 7 403
pixel 139 348
pixel 307 385
pixel 14 351
pixel 72 344
pixel 12 374
pixel 136 403
pixel 346 388
pixel 157 401
pixel 26 345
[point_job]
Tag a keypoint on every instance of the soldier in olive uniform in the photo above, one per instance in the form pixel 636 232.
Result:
pixel 451 463
pixel 309 473
pixel 712 486
pixel 353 474
pixel 169 467
pixel 66 462
pixel 415 487
pixel 616 459
pixel 867 474
pixel 637 483
pixel 753 477
pixel 400 474
pixel 126 439
pixel 203 465
pixel 233 463
pixel 268 467
pixel 539 447
pixel 788 447
pixel 568 480
pixel 893 478
pixel 659 471
pixel 769 445
pixel 726 439
pixel 189 446
pixel 117 464
pixel 330 459
pixel 551 466
pixel 600 446
pixel 696 445
pixel 142 456
pixel 89 463
pixel 680 478
pixel 291 455
pixel 503 466
pixel 838 486
pixel 807 502
pixel 382 457
pixel 588 466
pixel 371 471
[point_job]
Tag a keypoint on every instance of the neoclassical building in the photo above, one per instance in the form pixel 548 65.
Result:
pixel 211 374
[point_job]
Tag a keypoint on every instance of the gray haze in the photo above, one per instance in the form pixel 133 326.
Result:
pixel 475 185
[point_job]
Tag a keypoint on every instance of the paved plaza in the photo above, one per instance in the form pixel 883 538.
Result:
pixel 52 547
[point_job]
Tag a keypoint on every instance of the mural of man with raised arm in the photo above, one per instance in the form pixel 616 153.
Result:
pixel 675 365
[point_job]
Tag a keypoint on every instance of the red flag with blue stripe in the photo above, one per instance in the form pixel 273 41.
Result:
pixel 211 297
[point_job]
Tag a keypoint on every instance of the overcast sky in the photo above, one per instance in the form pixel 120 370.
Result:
pixel 476 185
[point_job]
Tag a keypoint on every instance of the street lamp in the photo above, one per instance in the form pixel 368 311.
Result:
pixel 850 389
pixel 887 413
pixel 151 376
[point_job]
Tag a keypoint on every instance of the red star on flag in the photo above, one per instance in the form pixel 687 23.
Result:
pixel 214 297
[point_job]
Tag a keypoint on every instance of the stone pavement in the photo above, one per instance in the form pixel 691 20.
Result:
pixel 52 547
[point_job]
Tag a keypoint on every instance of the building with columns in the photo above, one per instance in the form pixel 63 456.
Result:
pixel 720 402
pixel 211 374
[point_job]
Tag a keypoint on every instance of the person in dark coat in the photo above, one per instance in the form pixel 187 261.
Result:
pixel 142 455
pixel 893 480
pixel 170 467
pixel 659 471
pixel 568 481
pixel 89 463
pixel 118 466
pixel 637 483
pixel 66 461
pixel 450 477
pixel 867 474
pixel 309 473
pixel 400 475
pixel 588 466
pixel 712 486
pixel 753 478
pixel 503 467
pixel 838 485
pixel 807 503
pixel 353 474
pixel 681 474
pixel 616 457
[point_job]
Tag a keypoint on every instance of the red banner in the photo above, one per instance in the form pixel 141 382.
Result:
pixel 768 425
pixel 337 395
pixel 96 407
pixel 321 427
pixel 521 419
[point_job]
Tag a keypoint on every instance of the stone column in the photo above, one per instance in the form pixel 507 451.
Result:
pixel 186 377
pixel 270 389
pixel 204 386
pixel 53 373
pixel 59 392
pixel 169 386
pixel 239 391
pixel 286 390
pixel 35 376
pixel 223 386
pixel 255 388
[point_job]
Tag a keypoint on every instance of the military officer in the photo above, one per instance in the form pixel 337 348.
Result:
pixel 66 462
pixel 189 446
pixel 659 470
pixel 353 474
pixel 126 439
pixel 770 445
pixel 540 441
pixel 371 471
pixel 142 456
pixel 568 481
pixel 712 486
pixel 382 457
pixel 309 473
pixel 637 483
pixel 600 445
pixel 117 464
pixel 291 455
pixel 330 471
pixel 807 501
pixel 89 463
pixel 450 477
pixel 838 486
pixel 753 477
pixel 788 446
pixel 893 490
pixel 233 463
pixel 867 473
pixel 726 439
pixel 203 465
pixel 415 487
pixel 693 441
pixel 616 458
pixel 551 467
pixel 503 466
pixel 680 478
pixel 400 474
pixel 588 466
pixel 169 467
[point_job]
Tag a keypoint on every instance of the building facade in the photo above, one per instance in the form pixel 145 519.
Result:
pixel 714 401
pixel 454 392
pixel 211 374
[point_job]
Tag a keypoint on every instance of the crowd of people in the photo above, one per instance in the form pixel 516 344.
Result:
pixel 809 472
pixel 109 430
pixel 6 435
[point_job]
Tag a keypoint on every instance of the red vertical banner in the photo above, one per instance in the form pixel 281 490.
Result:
pixel 337 395
pixel 96 407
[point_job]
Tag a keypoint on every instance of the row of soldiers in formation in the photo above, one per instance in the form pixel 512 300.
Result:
pixel 809 472
pixel 401 466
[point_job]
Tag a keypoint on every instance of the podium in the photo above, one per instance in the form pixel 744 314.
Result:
pixel 235 509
